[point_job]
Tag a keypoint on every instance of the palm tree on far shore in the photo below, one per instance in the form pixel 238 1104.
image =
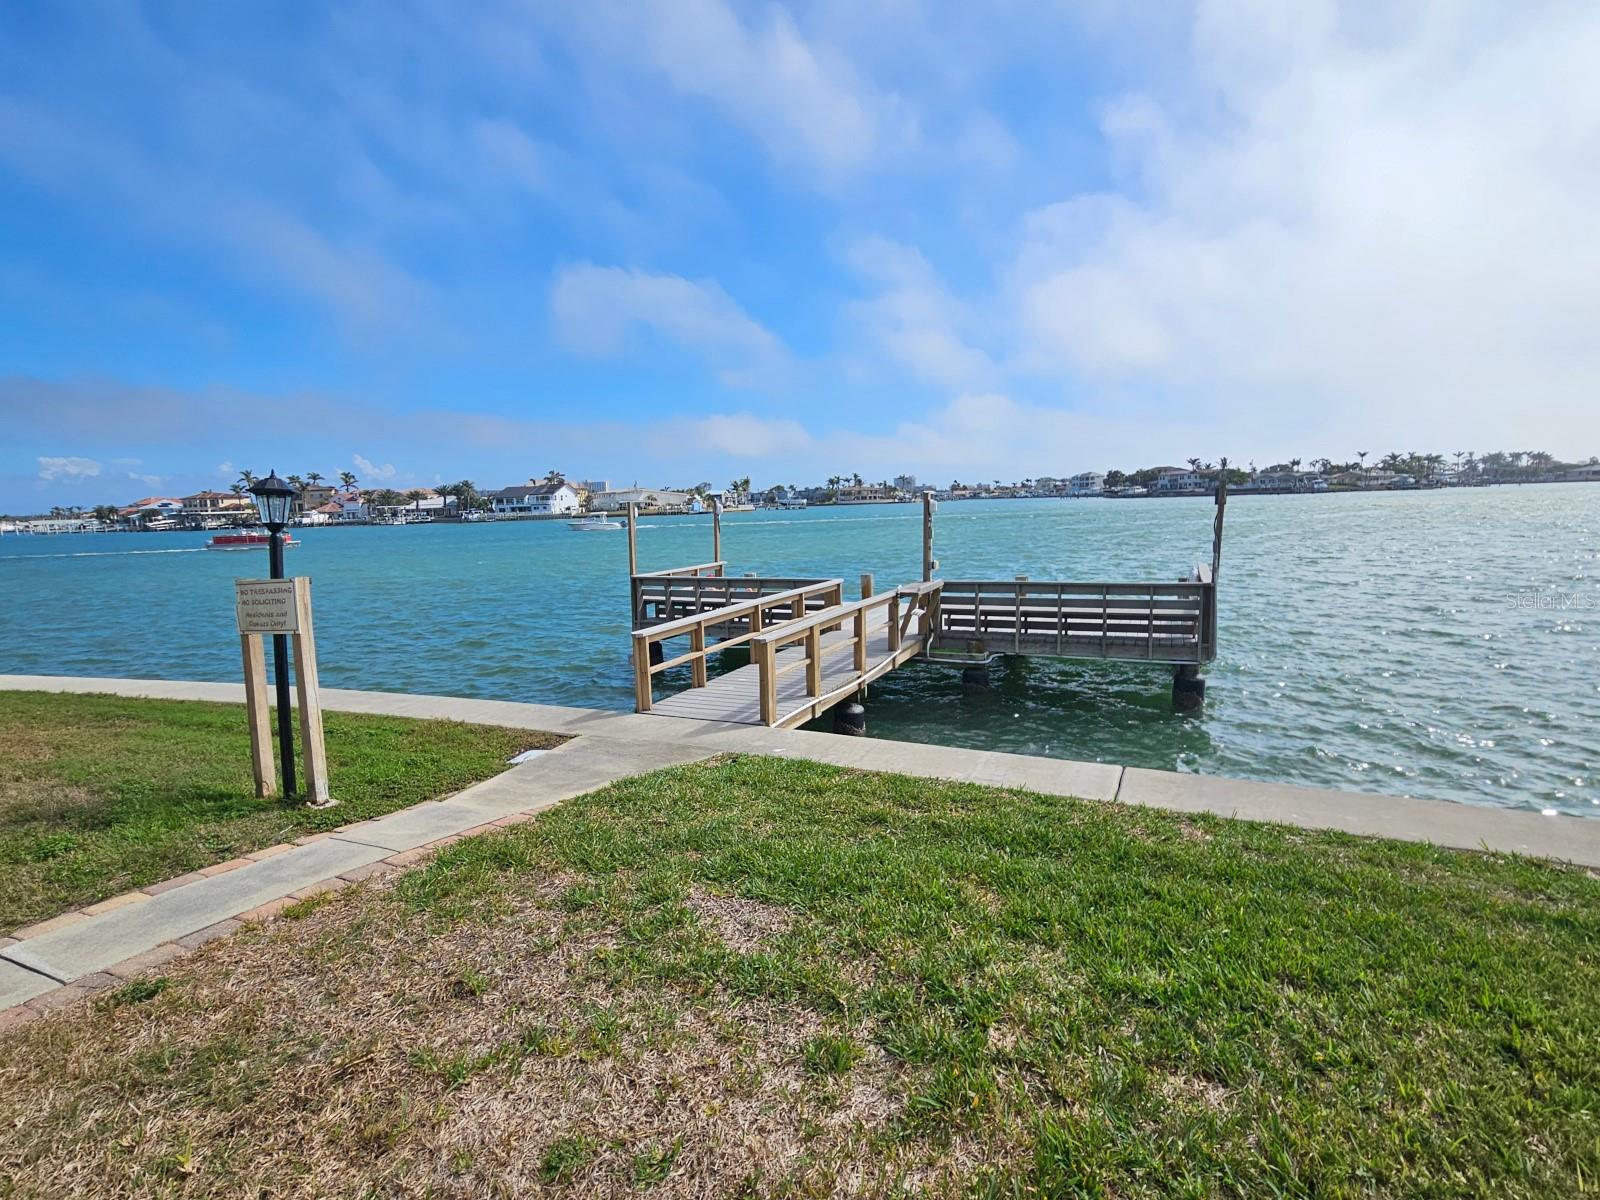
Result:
pixel 416 495
pixel 347 479
pixel 1362 455
pixel 247 477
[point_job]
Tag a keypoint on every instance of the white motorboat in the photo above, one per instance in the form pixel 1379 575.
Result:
pixel 598 521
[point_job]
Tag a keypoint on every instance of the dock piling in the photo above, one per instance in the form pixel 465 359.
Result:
pixel 1188 688
pixel 633 539
pixel 850 719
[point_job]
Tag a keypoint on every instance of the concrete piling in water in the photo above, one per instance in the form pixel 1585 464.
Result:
pixel 1188 688
pixel 975 680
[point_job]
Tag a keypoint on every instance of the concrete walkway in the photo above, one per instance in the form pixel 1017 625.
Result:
pixel 118 939
pixel 121 937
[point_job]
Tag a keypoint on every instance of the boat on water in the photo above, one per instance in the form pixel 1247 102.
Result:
pixel 253 539
pixel 598 521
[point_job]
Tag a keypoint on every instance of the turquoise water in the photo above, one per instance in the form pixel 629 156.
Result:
pixel 1439 644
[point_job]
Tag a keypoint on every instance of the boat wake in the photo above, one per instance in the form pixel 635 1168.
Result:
pixel 101 553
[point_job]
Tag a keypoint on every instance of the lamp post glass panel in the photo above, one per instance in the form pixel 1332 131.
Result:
pixel 274 499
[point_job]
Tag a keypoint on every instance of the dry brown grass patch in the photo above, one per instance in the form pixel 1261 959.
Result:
pixel 742 924
pixel 359 1049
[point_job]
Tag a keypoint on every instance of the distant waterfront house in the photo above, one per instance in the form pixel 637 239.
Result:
pixel 1287 479
pixel 1588 473
pixel 204 507
pixel 617 500
pixel 153 512
pixel 536 499
pixel 1086 483
pixel 352 507
pixel 1367 481
pixel 867 493
pixel 314 495
pixel 1179 479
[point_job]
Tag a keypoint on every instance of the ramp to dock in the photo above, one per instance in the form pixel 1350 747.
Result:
pixel 802 663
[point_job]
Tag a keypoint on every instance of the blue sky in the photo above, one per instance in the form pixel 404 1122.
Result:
pixel 674 240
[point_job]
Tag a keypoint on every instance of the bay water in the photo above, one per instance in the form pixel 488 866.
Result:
pixel 1441 643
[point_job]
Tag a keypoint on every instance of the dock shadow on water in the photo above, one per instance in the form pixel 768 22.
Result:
pixel 1095 712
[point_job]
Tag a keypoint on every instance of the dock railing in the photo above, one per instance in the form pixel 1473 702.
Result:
pixel 662 597
pixel 903 607
pixel 1161 622
pixel 755 615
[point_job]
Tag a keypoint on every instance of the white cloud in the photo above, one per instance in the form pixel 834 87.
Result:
pixel 992 435
pixel 371 472
pixel 914 318
pixel 67 467
pixel 746 435
pixel 1354 225
pixel 595 309
pixel 226 468
pixel 150 481
pixel 802 101
pixel 512 152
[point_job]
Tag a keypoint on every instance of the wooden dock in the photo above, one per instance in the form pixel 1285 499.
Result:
pixel 802 662
pixel 810 650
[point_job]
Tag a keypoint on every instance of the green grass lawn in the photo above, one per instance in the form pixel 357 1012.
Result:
pixel 101 795
pixel 775 978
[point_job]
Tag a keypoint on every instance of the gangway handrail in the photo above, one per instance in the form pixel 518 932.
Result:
pixel 764 647
pixel 696 625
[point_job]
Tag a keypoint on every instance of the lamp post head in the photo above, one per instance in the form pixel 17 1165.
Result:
pixel 273 499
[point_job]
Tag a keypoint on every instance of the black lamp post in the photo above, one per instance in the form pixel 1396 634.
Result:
pixel 274 498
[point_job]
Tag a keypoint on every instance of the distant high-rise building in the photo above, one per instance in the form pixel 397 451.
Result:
pixel 906 483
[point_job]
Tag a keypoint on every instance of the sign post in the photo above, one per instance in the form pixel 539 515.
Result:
pixel 278 608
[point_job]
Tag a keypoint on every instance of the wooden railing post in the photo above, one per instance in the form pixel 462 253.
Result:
pixel 716 531
pixel 866 586
pixel 641 672
pixel 766 664
pixel 861 641
pixel 697 643
pixel 894 622
pixel 814 661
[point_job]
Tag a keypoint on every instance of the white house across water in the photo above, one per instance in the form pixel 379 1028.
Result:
pixel 536 499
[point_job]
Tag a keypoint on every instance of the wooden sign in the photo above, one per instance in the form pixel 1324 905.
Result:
pixel 266 605
pixel 282 606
